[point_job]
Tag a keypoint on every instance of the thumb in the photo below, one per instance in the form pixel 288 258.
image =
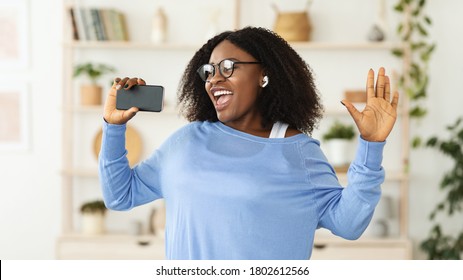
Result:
pixel 130 113
pixel 355 114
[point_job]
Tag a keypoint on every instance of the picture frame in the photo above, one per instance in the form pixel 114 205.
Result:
pixel 14 24
pixel 14 117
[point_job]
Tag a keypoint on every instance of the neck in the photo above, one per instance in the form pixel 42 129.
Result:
pixel 250 127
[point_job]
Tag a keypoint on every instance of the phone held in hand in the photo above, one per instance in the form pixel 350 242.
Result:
pixel 144 97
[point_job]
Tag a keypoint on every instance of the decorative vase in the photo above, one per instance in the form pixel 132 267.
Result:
pixel 159 28
pixel 377 32
pixel 293 26
pixel 338 152
pixel 93 223
pixel 90 95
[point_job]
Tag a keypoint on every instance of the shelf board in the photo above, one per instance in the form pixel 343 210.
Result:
pixel 346 45
pixel 81 172
pixel 120 237
pixel 363 241
pixel 129 45
pixel 98 109
pixel 191 47
pixel 342 111
pixel 93 173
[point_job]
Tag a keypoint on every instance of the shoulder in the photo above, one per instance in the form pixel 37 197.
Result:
pixel 292 132
pixel 186 132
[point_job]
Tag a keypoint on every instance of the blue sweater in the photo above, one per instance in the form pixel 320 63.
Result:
pixel 231 195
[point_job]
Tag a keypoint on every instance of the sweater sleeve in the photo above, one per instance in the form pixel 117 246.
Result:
pixel 123 187
pixel 348 211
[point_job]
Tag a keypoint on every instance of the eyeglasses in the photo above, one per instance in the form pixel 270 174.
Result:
pixel 226 68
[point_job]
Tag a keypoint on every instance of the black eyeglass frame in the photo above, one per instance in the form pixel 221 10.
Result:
pixel 201 72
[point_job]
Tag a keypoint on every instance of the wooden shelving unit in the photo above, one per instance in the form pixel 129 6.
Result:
pixel 71 244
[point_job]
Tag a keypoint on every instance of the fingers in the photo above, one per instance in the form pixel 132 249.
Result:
pixel 395 100
pixel 370 84
pixel 355 114
pixel 387 89
pixel 380 81
pixel 127 82
pixel 140 81
pixel 113 115
pixel 382 89
pixel 129 114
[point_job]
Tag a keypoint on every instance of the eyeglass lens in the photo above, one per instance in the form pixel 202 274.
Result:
pixel 207 71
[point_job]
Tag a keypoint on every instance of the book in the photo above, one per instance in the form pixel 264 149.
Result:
pixel 118 24
pixel 75 32
pixel 106 23
pixel 80 24
pixel 89 25
pixel 97 25
pixel 125 32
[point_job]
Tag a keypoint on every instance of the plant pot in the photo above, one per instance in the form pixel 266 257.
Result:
pixel 90 95
pixel 93 223
pixel 339 152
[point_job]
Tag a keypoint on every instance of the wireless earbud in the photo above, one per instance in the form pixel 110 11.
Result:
pixel 265 81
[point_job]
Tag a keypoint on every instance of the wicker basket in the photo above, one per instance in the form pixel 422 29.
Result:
pixel 293 26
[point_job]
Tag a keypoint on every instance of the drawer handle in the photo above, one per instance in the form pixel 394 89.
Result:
pixel 143 242
pixel 319 246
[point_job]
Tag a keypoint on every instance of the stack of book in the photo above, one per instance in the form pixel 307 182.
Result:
pixel 91 24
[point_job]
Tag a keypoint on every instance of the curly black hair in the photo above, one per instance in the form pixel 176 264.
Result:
pixel 290 97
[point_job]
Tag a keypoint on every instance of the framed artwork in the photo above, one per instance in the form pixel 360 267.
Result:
pixel 13 34
pixel 14 130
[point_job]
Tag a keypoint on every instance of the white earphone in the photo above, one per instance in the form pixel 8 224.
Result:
pixel 265 80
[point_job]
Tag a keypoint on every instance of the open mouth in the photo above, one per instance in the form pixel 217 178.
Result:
pixel 222 97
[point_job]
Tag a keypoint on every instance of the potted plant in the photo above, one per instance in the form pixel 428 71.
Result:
pixel 441 245
pixel 91 92
pixel 93 217
pixel 338 140
pixel 417 49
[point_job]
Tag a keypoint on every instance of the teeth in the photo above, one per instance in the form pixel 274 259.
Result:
pixel 222 92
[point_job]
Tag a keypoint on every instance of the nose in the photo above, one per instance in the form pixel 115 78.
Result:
pixel 217 76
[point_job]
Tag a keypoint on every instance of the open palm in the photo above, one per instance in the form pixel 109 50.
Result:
pixel 377 119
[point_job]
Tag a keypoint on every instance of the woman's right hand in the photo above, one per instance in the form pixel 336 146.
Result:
pixel 113 115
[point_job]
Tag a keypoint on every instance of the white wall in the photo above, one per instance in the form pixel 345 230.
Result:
pixel 30 185
pixel 29 199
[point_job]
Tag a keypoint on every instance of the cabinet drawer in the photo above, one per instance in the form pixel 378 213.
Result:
pixel 110 248
pixel 350 250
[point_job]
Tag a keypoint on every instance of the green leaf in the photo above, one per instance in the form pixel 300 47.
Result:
pixel 417 46
pixel 432 142
pixel 416 142
pixel 422 30
pixel 417 112
pixel 400 28
pixel 399 7
pixel 398 52
pixel 421 3
pixel 428 20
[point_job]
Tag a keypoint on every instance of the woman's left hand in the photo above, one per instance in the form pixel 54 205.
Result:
pixel 377 119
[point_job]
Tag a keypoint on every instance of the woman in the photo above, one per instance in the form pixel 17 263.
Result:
pixel 244 179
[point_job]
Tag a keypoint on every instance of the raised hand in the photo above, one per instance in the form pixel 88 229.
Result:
pixel 377 119
pixel 111 114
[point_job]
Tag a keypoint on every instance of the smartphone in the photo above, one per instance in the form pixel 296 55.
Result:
pixel 146 98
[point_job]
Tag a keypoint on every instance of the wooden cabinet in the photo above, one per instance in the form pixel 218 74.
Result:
pixel 363 249
pixel 110 247
pixel 163 64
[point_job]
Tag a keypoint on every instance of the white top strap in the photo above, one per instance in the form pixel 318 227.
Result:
pixel 278 130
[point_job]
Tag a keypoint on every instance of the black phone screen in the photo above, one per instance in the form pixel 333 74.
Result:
pixel 145 98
